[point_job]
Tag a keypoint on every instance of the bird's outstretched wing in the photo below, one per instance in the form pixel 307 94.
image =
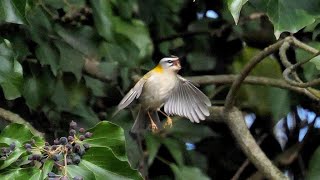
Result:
pixel 188 101
pixel 133 94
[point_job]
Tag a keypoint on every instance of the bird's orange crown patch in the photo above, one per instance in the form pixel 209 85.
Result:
pixel 158 69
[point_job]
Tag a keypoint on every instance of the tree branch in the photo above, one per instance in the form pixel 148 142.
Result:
pixel 254 80
pixel 246 70
pixel 14 118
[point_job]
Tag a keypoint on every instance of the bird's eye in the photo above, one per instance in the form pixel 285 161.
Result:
pixel 169 61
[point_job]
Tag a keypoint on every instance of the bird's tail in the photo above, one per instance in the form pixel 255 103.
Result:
pixel 142 121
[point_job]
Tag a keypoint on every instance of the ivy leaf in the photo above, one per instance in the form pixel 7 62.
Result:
pixel 108 135
pixel 314 166
pixel 11 79
pixel 12 11
pixel 235 8
pixel 185 172
pixel 291 16
pixel 137 32
pixel 102 14
pixel 106 158
pixel 9 135
pixel 37 89
pixel 71 60
pixel 21 174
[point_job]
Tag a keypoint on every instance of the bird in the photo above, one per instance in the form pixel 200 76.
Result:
pixel 164 87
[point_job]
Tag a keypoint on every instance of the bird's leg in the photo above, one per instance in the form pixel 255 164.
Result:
pixel 154 127
pixel 168 123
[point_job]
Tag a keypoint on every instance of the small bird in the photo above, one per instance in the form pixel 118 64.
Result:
pixel 162 86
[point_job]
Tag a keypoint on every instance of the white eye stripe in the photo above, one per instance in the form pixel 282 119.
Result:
pixel 170 59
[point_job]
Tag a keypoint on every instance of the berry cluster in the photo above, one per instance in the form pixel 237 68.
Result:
pixel 6 151
pixel 64 151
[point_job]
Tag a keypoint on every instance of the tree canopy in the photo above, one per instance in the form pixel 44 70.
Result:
pixel 66 64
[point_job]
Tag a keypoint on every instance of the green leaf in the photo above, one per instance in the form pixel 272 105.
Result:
pixel 102 14
pixel 198 61
pixel 21 174
pixel 153 144
pixel 96 86
pixel 48 54
pixel 10 73
pixel 12 11
pixel 104 165
pixel 9 135
pixel 108 135
pixel 314 166
pixel 311 69
pixel 291 16
pixel 279 103
pixel 188 132
pixel 83 39
pixel 235 8
pixel 46 168
pixel 175 148
pixel 71 60
pixel 37 89
pixel 185 172
pixel 137 32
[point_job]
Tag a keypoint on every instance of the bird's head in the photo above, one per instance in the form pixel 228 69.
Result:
pixel 170 63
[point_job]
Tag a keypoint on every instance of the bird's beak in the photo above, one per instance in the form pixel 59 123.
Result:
pixel 177 63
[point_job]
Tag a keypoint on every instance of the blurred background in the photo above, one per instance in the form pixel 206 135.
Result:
pixel 64 60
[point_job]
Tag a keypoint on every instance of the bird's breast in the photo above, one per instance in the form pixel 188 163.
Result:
pixel 157 89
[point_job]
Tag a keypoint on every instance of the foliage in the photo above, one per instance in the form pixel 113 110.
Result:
pixel 74 59
pixel 102 154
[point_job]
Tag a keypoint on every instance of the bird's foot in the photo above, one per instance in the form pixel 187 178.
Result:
pixel 168 123
pixel 154 127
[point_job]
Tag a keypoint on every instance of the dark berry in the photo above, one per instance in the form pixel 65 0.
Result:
pixel 46 148
pixel 81 137
pixel 82 130
pixel 69 147
pixel 72 132
pixel 51 174
pixel 12 146
pixel 56 157
pixel 63 140
pixel 37 157
pixel 46 144
pixel 86 146
pixel 27 146
pixel 54 147
pixel 69 161
pixel 76 159
pixel 88 134
pixel 70 138
pixel 76 147
pixel 73 125
pixel 56 142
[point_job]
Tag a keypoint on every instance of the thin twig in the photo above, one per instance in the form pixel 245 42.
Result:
pixel 289 70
